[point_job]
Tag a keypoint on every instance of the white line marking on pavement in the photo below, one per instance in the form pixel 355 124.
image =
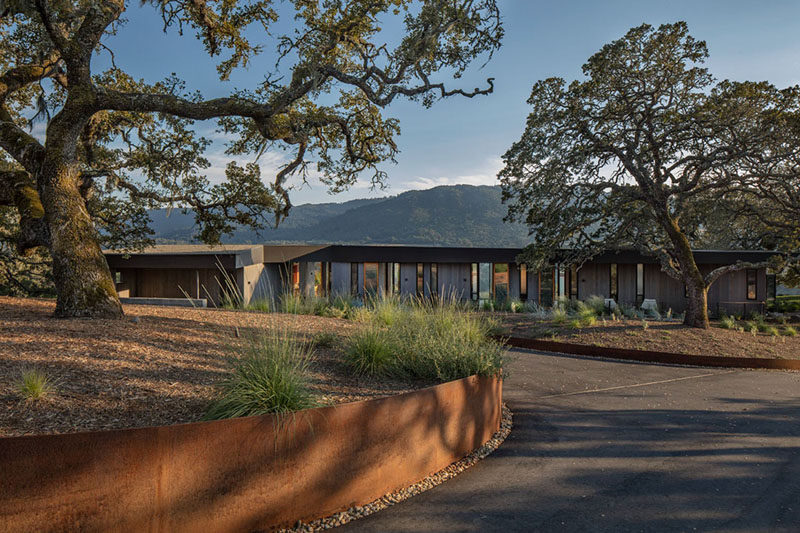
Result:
pixel 636 385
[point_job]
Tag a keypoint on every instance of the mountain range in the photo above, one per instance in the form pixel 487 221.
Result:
pixel 454 215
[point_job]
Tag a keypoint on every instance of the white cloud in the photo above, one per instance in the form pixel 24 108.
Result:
pixel 486 175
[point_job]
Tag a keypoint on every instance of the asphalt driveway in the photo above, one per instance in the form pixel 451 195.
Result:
pixel 602 445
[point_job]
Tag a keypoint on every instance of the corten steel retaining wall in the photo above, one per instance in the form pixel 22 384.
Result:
pixel 242 474
pixel 652 356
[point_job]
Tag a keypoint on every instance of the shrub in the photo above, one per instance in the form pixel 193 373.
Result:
pixel 772 331
pixel 789 331
pixel 439 342
pixel 326 339
pixel 34 385
pixel 576 323
pixel 268 375
pixel 727 322
pixel 596 304
pixel 558 315
pixel 387 311
pixel 263 305
pixel 371 352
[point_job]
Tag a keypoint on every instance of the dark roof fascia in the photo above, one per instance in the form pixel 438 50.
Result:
pixel 226 260
pixel 701 257
pixel 410 254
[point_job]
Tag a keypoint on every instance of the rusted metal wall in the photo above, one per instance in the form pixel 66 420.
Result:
pixel 650 356
pixel 242 474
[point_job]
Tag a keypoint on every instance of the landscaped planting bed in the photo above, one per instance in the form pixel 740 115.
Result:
pixel 663 336
pixel 157 366
pixel 168 365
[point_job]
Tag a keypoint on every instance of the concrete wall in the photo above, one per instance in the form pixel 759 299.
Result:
pixel 242 474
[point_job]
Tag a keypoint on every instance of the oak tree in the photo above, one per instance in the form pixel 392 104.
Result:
pixel 647 151
pixel 115 146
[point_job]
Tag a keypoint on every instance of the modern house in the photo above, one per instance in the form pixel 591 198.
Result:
pixel 266 271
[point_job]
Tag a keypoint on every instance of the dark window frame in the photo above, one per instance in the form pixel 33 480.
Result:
pixel 573 283
pixel 772 286
pixel 377 276
pixel 640 296
pixel 751 283
pixel 474 281
pixel 354 279
pixel 613 281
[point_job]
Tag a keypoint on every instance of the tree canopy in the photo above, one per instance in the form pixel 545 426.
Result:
pixel 650 151
pixel 116 146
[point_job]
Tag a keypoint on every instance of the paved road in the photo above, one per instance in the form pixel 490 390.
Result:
pixel 618 446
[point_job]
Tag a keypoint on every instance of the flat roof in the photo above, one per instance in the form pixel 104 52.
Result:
pixel 239 255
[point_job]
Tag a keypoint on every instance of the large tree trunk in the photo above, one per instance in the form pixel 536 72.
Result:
pixel 83 280
pixel 696 289
pixel 697 305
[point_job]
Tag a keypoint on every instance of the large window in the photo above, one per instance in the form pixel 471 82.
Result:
pixel 546 288
pixel 751 283
pixel 639 283
pixel 772 286
pixel 523 282
pixel 500 281
pixel 295 277
pixel 473 281
pixel 354 279
pixel 371 278
pixel 395 277
pixel 613 282
pixel 434 279
pixel 420 279
pixel 485 281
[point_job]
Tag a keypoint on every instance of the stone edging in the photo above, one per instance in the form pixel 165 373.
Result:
pixel 649 356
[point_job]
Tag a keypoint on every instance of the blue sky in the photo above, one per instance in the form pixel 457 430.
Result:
pixel 461 140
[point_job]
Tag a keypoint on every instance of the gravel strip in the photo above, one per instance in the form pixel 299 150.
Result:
pixel 429 482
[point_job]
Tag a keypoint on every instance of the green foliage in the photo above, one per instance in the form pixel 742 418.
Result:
pixel 558 315
pixel 789 331
pixel 727 322
pixel 22 275
pixel 268 375
pixel 34 385
pixel 588 169
pixel 429 340
pixel 326 339
pixel 371 352
pixel 596 304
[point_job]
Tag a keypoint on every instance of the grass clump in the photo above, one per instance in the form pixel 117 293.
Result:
pixel 268 375
pixel 326 339
pixel 437 340
pixel 371 352
pixel 727 322
pixel 789 331
pixel 34 385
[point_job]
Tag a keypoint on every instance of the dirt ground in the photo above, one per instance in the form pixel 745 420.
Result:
pixel 662 336
pixel 157 366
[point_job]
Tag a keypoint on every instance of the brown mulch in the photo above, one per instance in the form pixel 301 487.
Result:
pixel 157 366
pixel 662 336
